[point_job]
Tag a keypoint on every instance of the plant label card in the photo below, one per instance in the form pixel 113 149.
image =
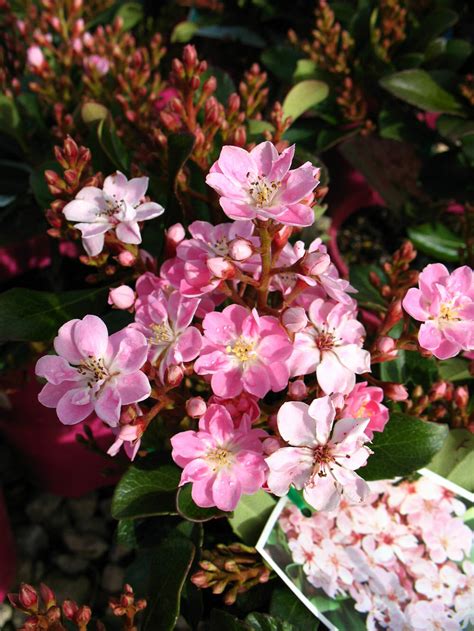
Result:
pixel 402 560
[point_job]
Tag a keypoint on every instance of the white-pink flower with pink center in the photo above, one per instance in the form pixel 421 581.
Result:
pixel 243 351
pixel 118 206
pixel 220 461
pixel 331 345
pixel 321 457
pixel 165 322
pixel 259 184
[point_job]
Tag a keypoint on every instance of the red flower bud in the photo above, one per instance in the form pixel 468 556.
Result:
pixel 28 598
pixel 189 57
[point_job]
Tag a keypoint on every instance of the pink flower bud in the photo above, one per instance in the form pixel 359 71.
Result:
pixel 83 616
pixel 122 297
pixel 240 249
pixel 395 391
pixel 174 376
pixel 196 407
pixel 270 445
pixel 126 258
pixel 315 263
pixel 35 56
pixel 386 344
pixel 69 609
pixel 220 267
pixel 294 319
pixel 461 397
pixel 47 596
pixel 189 56
pixel 438 390
pixel 282 236
pixel 174 235
pixel 297 390
pixel 28 598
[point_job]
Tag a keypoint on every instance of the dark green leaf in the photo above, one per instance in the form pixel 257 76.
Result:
pixel 27 315
pixel 286 606
pixel 359 279
pixel 454 128
pixel 112 145
pixel 146 489
pixel 455 369
pixel 281 60
pixel 250 516
pixel 418 88
pixel 126 533
pixel 224 621
pixel 10 121
pixel 455 461
pixel 303 96
pixel 394 370
pixel 436 22
pixel 264 622
pixel 39 186
pixel 232 33
pixel 180 147
pixel 189 510
pixel 405 445
pixel 436 240
pixel 171 561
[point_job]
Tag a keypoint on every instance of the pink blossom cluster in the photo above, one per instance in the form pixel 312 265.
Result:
pixel 234 313
pixel 403 557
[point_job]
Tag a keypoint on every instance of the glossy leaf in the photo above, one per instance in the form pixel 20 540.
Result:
pixel 286 606
pixel 250 516
pixel 264 622
pixel 224 621
pixel 171 562
pixel 180 147
pixel 188 509
pixel 455 369
pixel 131 13
pixel 416 87
pixel 112 145
pixel 281 60
pixel 27 315
pixel 303 96
pixel 406 445
pixel 146 489
pixel 436 240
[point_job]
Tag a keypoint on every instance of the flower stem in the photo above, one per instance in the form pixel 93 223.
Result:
pixel 266 253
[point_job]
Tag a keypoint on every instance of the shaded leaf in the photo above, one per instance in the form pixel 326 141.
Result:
pixel 303 96
pixel 224 621
pixel 286 606
pixel 180 147
pixel 171 561
pixel 131 14
pixel 416 87
pixel 436 240
pixel 455 369
pixel 112 145
pixel 183 32
pixel 455 461
pixel 27 315
pixel 188 509
pixel 264 622
pixel 281 60
pixel 406 445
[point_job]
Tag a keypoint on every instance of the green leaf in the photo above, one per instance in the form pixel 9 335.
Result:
pixel 436 22
pixel 405 445
pixel 183 32
pixel 146 489
pixel 453 127
pixel 250 516
pixel 126 536
pixel 305 69
pixel 93 112
pixel 256 127
pixel 112 145
pixel 394 370
pixel 232 34
pixel 188 509
pixel 286 606
pixel 416 87
pixel 455 461
pixel 224 621
pixel 171 561
pixel 359 279
pixel 180 147
pixel 455 369
pixel 131 14
pixel 303 96
pixel 264 622
pixel 27 315
pixel 281 60
pixel 10 121
pixel 436 240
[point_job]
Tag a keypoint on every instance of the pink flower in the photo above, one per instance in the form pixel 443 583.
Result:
pixel 430 615
pixel 116 207
pixel 446 537
pixel 331 345
pixel 99 64
pixel 165 322
pixel 366 402
pixel 444 303
pixel 93 372
pixel 35 57
pixel 260 184
pixel 243 405
pixel 221 462
pixel 128 436
pixel 244 352
pixel 321 459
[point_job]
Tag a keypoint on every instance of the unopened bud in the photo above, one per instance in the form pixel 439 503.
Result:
pixel 54 615
pixel 83 616
pixel 196 407
pixel 221 267
pixel 47 596
pixel 297 390
pixel 28 598
pixel 240 249
pixel 233 102
pixel 438 390
pixel 189 57
pixel 281 237
pixel 35 57
pixel 294 319
pixel 394 391
pixel 174 376
pixel 315 263
pixel 69 609
pixel 126 258
pixel 174 235
pixel 240 137
pixel 209 86
pixel 122 297
pixel 461 397
pixel 194 82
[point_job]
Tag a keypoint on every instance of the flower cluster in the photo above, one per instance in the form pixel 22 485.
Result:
pixel 236 312
pixel 403 557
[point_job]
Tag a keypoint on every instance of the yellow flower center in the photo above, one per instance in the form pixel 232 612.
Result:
pixel 220 246
pixel 219 457
pixel 262 191
pixel 448 312
pixel 243 349
pixel 162 333
pixel 93 368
